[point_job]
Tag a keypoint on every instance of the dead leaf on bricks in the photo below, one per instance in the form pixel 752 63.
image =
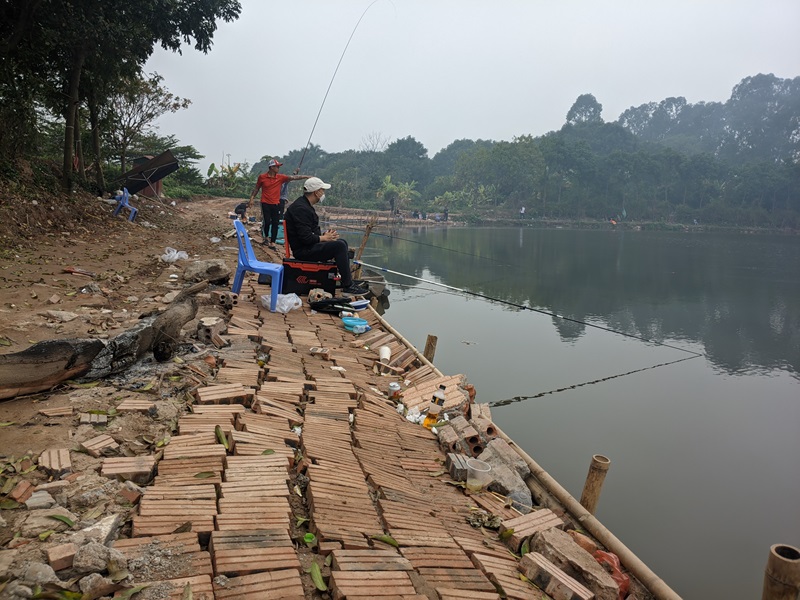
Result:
pixel 506 534
pixel 185 528
pixel 115 573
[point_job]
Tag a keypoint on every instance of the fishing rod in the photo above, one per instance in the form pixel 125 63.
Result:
pixel 331 82
pixel 525 307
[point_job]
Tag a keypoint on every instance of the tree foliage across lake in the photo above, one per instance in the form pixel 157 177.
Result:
pixel 73 92
pixel 735 163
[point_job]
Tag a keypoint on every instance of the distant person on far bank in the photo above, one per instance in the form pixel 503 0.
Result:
pixel 521 212
pixel 309 243
pixel 270 185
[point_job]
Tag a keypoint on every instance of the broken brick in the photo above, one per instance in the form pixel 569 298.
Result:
pixel 61 556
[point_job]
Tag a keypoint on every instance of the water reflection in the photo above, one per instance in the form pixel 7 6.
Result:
pixel 738 296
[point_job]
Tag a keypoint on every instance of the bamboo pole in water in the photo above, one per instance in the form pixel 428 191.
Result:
pixel 629 560
pixel 594 482
pixel 782 574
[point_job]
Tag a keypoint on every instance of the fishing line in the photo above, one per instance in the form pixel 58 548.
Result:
pixel 577 385
pixel 530 308
pixel 331 82
pixel 508 401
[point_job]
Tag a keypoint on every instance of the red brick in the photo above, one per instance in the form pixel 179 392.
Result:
pixel 60 557
pixel 129 495
pixel 22 491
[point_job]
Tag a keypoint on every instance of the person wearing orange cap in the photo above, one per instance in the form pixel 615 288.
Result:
pixel 270 185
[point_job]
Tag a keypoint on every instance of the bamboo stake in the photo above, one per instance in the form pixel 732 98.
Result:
pixel 367 230
pixel 594 482
pixel 782 574
pixel 430 347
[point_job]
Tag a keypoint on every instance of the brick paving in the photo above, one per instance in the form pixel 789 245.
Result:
pixel 376 491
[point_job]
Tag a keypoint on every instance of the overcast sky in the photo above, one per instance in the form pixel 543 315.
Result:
pixel 442 70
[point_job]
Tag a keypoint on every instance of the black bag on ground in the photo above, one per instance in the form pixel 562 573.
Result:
pixel 330 305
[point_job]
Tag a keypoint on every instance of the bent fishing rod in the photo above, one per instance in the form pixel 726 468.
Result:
pixel 347 45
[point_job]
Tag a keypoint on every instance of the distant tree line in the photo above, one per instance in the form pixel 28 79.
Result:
pixel 732 163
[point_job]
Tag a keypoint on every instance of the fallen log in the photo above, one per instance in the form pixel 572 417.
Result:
pixel 45 364
pixel 51 362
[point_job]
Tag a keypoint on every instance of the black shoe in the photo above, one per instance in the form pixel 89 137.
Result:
pixel 355 290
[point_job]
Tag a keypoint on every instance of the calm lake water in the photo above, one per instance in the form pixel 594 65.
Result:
pixel 694 395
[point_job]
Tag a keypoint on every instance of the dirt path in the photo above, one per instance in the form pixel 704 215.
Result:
pixel 40 301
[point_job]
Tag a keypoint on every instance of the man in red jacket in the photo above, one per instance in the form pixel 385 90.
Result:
pixel 270 185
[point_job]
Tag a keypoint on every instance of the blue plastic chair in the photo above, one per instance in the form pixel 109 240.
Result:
pixel 247 262
pixel 122 202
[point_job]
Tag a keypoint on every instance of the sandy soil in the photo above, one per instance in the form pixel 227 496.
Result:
pixel 40 301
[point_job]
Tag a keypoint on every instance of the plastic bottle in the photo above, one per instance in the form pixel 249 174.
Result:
pixel 359 329
pixel 435 408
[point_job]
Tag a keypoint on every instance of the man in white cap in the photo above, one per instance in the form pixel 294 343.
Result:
pixel 309 243
pixel 270 185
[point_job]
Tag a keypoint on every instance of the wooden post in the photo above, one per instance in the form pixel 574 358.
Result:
pixel 367 230
pixel 430 347
pixel 782 574
pixel 594 482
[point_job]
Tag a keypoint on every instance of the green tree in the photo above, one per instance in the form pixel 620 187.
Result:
pixel 586 109
pixel 52 46
pixel 133 109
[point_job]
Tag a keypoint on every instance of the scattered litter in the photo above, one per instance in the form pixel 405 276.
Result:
pixel 414 416
pixel 171 255
pixel 286 302
pixel 215 240
pixel 77 271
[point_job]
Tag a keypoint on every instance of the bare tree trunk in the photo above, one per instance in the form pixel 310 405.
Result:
pixel 94 122
pixel 79 145
pixel 69 131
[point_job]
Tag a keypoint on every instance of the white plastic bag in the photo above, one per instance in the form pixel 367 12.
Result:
pixel 171 255
pixel 287 302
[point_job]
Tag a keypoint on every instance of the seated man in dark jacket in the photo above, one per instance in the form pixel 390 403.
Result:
pixel 309 243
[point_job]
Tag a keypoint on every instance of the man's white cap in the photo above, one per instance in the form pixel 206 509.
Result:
pixel 313 184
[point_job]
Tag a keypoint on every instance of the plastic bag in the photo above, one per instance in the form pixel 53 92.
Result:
pixel 171 255
pixel 287 302
pixel 613 565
